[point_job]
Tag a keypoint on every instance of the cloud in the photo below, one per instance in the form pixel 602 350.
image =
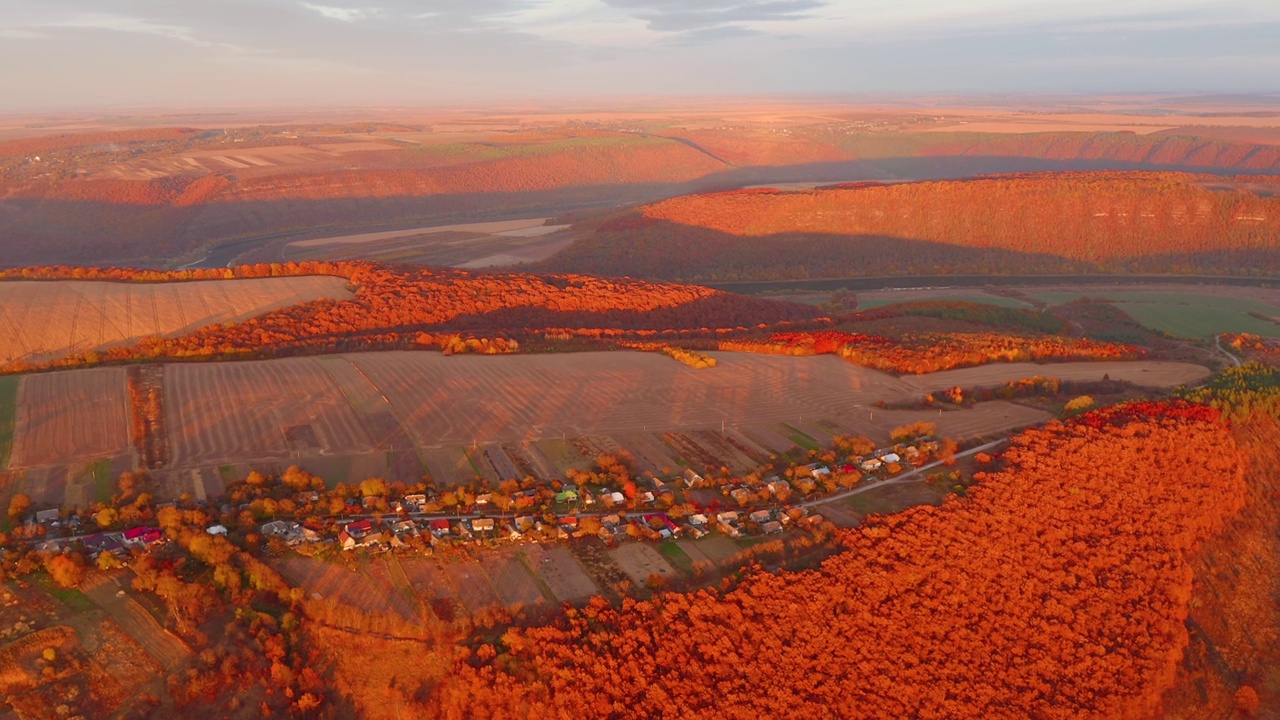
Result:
pixel 719 15
pixel 125 24
pixel 343 14
pixel 22 34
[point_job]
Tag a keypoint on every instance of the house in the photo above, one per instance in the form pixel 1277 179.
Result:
pixel 891 458
pixel 48 516
pixel 103 542
pixel 216 530
pixel 617 498
pixel 647 498
pixel 691 478
pixel 439 528
pixel 567 496
pixel 742 496
pixel 698 520
pixel 524 523
pixel 569 524
pixel 345 541
pixel 483 525
pixel 139 536
pixel 483 500
pixel 761 516
pixel 728 523
pixel 771 527
pixel 871 465
pixel 804 484
pixel 359 528
pixel 416 500
pixel 822 471
pixel 777 488
pixel 291 532
pixel 405 527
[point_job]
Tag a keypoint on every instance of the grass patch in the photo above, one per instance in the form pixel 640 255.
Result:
pixel 678 558
pixel 104 485
pixel 889 499
pixel 543 587
pixel 227 473
pixel 71 597
pixel 800 437
pixel 8 411
pixel 1186 315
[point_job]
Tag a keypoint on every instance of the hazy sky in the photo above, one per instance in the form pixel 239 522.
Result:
pixel 69 53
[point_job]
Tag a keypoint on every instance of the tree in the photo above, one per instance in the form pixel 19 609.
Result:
pixel 65 571
pixel 18 505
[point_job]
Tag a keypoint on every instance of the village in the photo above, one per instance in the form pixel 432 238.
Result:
pixel 297 512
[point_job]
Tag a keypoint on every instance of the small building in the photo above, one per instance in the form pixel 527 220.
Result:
pixel 742 496
pixel 52 515
pixel 871 465
pixel 439 528
pixel 697 520
pixel 483 525
pixel 761 516
pixel 778 488
pixel 524 523
pixel 772 527
pixel 416 500
pixel 691 478
pixel 567 496
pixel 611 521
pixel 216 530
pixel 822 471
pixel 483 500
pixel 891 458
pixel 617 498
pixel 140 536
pixel 345 541
pixel 569 524
pixel 359 528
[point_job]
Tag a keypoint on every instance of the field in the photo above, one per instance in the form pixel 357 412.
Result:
pixel 872 300
pixel 71 416
pixel 237 412
pixel 395 414
pixel 1183 314
pixel 471 245
pixel 556 567
pixel 8 406
pixel 329 581
pixel 640 561
pixel 48 319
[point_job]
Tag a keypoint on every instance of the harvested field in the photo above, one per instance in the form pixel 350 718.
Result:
pixel 475 591
pixel 428 579
pixel 512 579
pixel 560 571
pixel 334 582
pixel 716 548
pixel 267 410
pixel 390 580
pixel 986 419
pixel 40 320
pixel 8 408
pixel 640 561
pixel 65 417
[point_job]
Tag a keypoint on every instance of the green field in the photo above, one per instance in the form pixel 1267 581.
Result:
pixel 1186 315
pixel 871 301
pixel 8 407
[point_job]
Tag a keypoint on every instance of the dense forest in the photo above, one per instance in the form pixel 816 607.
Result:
pixel 1054 590
pixel 1041 223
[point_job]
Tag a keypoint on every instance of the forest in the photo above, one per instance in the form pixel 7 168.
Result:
pixel 1060 223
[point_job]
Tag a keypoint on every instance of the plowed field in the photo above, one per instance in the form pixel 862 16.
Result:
pixel 48 319
pixel 69 416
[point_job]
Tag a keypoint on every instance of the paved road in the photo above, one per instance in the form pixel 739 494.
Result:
pixel 866 487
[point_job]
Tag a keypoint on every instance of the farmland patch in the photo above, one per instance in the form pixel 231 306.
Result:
pixel 78 415
pixel 640 561
pixel 560 571
pixel 47 319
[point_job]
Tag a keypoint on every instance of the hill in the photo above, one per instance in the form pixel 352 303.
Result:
pixel 89 198
pixel 396 308
pixel 1040 223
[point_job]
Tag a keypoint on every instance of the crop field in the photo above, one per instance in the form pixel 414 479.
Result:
pixel 640 560
pixel 8 407
pixel 47 319
pixel 329 581
pixel 1187 315
pixel 716 548
pixel 475 590
pixel 872 300
pixel 134 620
pixel 559 570
pixel 64 417
pixel 427 579
pixel 269 410
pixel 472 245
pixel 512 579
pixel 395 414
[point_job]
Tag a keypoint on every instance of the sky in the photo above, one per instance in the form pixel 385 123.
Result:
pixel 64 54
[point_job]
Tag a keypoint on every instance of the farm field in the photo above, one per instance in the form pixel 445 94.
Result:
pixel 8 407
pixel 470 245
pixel 329 581
pixel 557 568
pixel 872 300
pixel 1188 315
pixel 397 414
pixel 640 561
pixel 42 320
pixel 72 416
pixel 241 412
